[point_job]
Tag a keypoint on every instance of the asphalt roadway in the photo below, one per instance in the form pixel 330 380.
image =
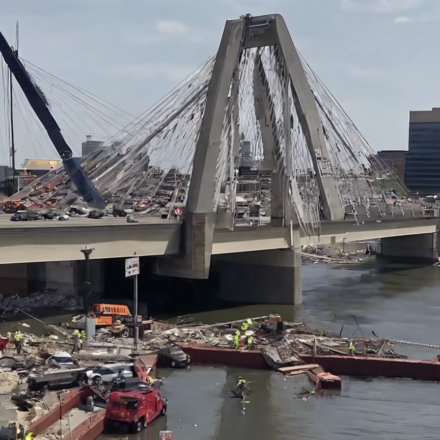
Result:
pixel 74 221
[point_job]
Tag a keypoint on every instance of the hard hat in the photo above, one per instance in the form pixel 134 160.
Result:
pixel 240 377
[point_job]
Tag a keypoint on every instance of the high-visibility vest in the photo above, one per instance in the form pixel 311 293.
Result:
pixel 241 382
pixel 29 436
pixel 17 336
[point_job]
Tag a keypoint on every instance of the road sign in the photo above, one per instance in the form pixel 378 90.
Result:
pixel 132 266
pixel 178 211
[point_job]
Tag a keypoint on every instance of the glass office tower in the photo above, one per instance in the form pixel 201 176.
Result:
pixel 422 167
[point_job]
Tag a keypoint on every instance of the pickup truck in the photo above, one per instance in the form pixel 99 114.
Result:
pixel 50 378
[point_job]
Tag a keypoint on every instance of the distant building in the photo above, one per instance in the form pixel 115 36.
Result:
pixel 31 170
pixel 422 168
pixel 395 159
pixel 5 179
pixel 89 146
pixel 39 167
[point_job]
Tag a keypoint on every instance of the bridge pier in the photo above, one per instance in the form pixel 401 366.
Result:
pixel 13 279
pixel 67 277
pixel 267 277
pixel 417 248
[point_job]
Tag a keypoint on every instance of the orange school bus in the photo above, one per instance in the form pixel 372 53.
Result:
pixel 107 314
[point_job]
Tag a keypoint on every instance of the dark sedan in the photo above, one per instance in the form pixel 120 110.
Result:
pixel 174 357
pixel 22 216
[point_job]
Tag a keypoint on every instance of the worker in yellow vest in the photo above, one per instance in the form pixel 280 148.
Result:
pixel 76 341
pixel 236 339
pixel 351 348
pixel 17 341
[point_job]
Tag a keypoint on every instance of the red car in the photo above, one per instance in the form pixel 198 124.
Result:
pixel 136 407
pixel 3 343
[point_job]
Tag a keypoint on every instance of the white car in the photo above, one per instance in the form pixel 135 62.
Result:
pixel 61 358
pixel 106 373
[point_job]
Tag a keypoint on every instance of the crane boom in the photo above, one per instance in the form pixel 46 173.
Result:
pixel 37 101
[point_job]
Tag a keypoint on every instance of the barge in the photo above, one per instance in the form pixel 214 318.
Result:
pixel 336 365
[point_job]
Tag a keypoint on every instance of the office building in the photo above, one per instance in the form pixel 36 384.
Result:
pixel 90 145
pixel 395 160
pixel 422 167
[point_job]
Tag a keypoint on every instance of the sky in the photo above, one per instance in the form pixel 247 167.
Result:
pixel 379 58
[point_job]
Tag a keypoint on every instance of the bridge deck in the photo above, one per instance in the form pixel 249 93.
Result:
pixel 25 242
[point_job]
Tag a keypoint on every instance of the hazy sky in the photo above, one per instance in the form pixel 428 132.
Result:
pixel 378 57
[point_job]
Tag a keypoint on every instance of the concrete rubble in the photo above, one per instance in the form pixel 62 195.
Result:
pixel 46 298
pixel 335 255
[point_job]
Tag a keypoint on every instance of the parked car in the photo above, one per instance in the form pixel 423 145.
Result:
pixel 8 362
pixel 174 357
pixel 80 210
pixel 61 358
pixel 26 216
pixel 96 214
pixel 49 378
pixel 118 211
pixel 138 207
pixel 106 373
pixel 55 214
pixel 136 407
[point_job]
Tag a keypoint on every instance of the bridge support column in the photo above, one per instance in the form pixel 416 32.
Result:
pixel 62 276
pixel 417 248
pixel 67 277
pixel 265 277
pixel 13 279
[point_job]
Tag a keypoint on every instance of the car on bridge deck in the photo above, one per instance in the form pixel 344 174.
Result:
pixel 26 216
pixel 55 214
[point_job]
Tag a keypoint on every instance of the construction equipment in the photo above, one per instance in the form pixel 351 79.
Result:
pixel 39 104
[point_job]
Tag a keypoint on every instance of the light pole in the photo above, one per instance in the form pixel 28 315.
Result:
pixel 87 252
pixel 132 269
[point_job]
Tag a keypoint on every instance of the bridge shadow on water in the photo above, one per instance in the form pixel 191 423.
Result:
pixel 167 297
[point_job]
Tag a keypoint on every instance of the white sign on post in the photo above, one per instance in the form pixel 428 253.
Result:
pixel 132 266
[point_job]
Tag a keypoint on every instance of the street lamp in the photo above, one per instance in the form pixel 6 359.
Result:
pixel 87 251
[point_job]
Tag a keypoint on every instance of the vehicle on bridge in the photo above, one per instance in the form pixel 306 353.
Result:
pixel 54 214
pixel 26 216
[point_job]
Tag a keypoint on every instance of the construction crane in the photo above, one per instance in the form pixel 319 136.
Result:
pixel 39 104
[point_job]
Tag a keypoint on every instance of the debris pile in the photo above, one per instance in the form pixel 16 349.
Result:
pixel 281 343
pixel 45 298
pixel 328 254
